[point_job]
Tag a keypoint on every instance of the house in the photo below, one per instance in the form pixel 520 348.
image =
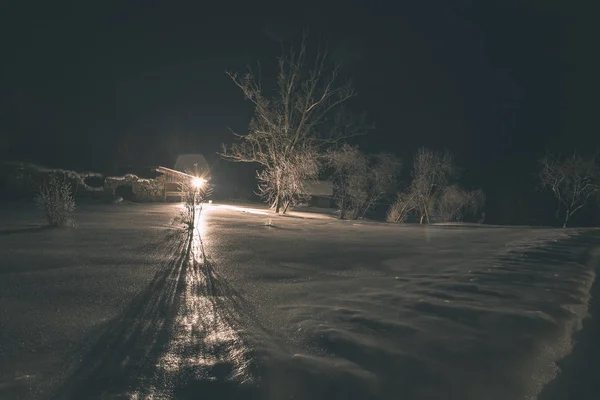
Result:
pixel 321 194
pixel 174 182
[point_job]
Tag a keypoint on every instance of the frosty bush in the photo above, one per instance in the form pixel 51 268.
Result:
pixel 146 190
pixel 111 183
pixel 55 200
pixel 454 203
pixel 359 180
pixel 400 209
pixel 24 179
pixel 431 194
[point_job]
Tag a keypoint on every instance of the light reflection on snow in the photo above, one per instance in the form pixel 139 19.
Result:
pixel 204 342
pixel 183 331
pixel 243 209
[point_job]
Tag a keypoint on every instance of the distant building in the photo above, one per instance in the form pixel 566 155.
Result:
pixel 186 167
pixel 321 194
pixel 176 183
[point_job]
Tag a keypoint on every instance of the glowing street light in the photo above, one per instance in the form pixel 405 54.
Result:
pixel 198 183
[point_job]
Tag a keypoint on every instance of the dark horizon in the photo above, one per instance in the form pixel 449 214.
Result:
pixel 481 80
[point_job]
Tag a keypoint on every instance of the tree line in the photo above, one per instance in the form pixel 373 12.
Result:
pixel 299 132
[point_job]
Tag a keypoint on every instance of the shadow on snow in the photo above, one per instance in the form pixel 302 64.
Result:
pixel 183 335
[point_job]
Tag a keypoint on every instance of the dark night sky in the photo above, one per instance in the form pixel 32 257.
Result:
pixel 484 79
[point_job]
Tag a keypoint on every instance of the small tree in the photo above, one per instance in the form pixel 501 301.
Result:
pixel 430 192
pixel 55 199
pixel 431 173
pixel 454 203
pixel 360 182
pixel 285 183
pixel 349 167
pixel 196 192
pixel 292 124
pixel 572 181
pixel 406 203
pixel 383 179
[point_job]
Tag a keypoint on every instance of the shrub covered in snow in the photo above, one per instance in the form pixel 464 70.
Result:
pixel 359 180
pixel 454 203
pixel 113 182
pixel 55 200
pixel 22 179
pixel 143 189
pixel 149 189
pixel 432 196
pixel 400 209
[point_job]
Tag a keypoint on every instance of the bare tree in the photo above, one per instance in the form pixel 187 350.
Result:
pixel 284 183
pixel 360 181
pixel 431 193
pixel 290 127
pixel 383 179
pixel 454 203
pixel 431 173
pixel 573 181
pixel 349 167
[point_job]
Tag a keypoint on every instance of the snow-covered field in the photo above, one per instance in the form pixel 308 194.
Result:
pixel 253 305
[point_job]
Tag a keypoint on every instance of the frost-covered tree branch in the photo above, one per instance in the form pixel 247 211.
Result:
pixel 291 126
pixel 454 203
pixel 361 181
pixel 572 181
pixel 431 192
pixel 432 172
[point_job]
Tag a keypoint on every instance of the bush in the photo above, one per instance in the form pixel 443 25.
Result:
pixel 94 182
pixel 399 210
pixel 55 200
pixel 142 190
pixel 360 181
pixel 147 190
pixel 454 203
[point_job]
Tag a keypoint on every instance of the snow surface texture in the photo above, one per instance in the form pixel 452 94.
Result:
pixel 298 308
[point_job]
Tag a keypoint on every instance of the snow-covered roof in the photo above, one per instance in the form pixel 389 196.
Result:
pixel 172 172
